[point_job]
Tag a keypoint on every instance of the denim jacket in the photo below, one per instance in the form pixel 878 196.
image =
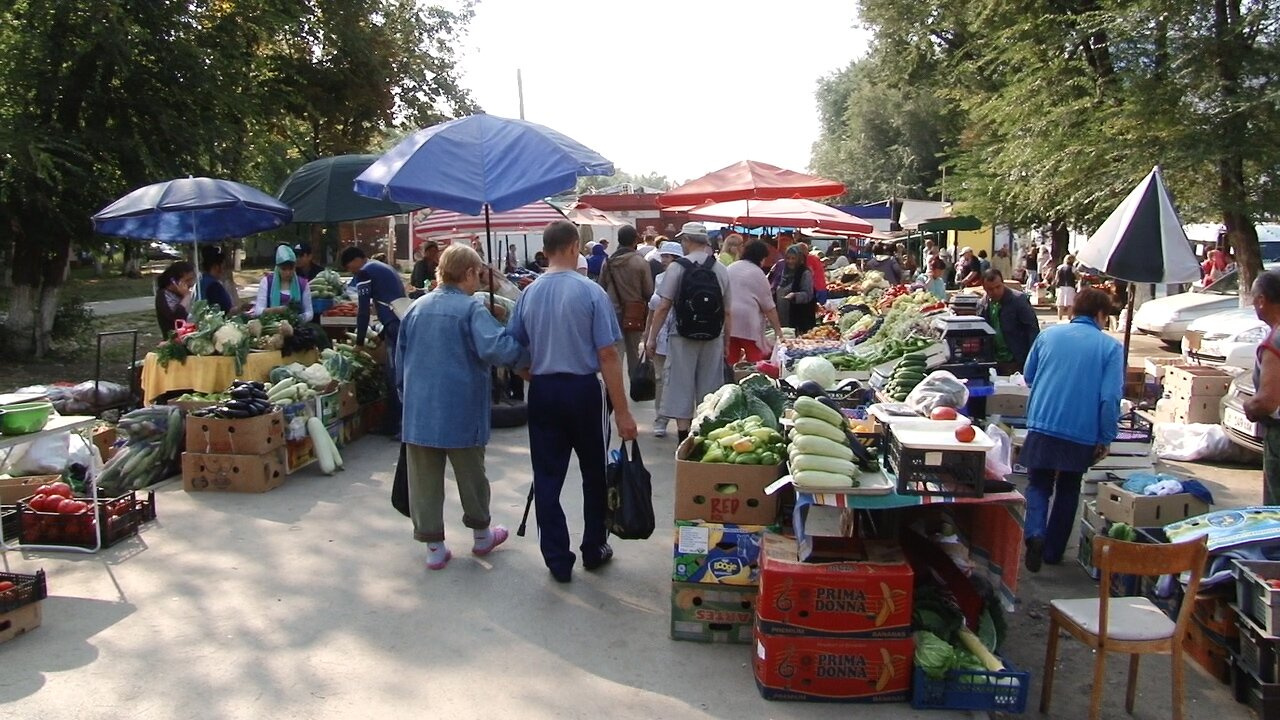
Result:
pixel 447 343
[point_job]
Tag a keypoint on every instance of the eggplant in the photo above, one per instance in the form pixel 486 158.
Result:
pixel 809 388
pixel 242 393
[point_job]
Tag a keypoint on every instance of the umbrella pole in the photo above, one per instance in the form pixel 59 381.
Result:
pixel 1128 330
pixel 526 248
pixel 195 253
pixel 488 243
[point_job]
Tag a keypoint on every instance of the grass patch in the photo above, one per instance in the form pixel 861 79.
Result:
pixel 74 361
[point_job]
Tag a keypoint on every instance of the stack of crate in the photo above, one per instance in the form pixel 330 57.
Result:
pixel 1192 394
pixel 234 455
pixel 1256 665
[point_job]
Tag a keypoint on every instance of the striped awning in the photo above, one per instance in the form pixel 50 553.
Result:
pixel 426 224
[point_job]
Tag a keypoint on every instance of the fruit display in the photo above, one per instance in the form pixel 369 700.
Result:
pixel 741 442
pixel 152 438
pixel 327 286
pixel 343 309
pixel 910 371
pixel 822 332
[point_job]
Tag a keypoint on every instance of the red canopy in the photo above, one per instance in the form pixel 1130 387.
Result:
pixel 791 212
pixel 750 180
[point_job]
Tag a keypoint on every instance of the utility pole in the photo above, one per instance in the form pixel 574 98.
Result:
pixel 520 91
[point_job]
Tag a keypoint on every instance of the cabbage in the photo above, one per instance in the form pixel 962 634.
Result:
pixel 817 369
pixel 933 654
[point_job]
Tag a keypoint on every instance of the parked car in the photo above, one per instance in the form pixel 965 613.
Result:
pixel 1226 338
pixel 161 251
pixel 1168 317
pixel 1242 431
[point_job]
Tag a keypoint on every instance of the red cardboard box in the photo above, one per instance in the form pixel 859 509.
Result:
pixel 832 669
pixel 866 598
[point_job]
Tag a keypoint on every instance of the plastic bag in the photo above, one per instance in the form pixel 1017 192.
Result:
pixel 643 385
pixel 49 455
pixel 629 495
pixel 1000 457
pixel 1175 441
pixel 939 389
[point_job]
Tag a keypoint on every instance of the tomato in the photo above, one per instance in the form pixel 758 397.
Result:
pixel 71 507
pixel 60 488
pixel 966 433
pixel 943 413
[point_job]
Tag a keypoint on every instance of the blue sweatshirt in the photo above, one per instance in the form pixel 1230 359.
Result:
pixel 1076 375
pixel 377 284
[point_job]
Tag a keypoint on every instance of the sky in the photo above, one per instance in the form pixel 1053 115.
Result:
pixel 680 88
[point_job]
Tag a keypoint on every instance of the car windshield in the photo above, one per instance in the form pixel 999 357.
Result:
pixel 1228 285
pixel 1270 252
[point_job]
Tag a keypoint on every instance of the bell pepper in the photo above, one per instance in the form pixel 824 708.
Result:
pixel 716 435
pixel 751 458
pixel 729 440
pixel 766 435
pixel 769 458
pixel 714 454
pixel 745 445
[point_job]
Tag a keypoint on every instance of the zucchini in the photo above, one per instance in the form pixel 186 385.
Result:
pixel 819 479
pixel 821 463
pixel 814 445
pixel 323 443
pixel 808 407
pixel 812 426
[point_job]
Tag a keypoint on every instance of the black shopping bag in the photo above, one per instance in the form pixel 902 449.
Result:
pixel 643 387
pixel 400 486
pixel 629 513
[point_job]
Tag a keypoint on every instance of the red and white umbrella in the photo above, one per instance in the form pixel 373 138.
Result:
pixel 428 224
pixel 750 180
pixel 790 212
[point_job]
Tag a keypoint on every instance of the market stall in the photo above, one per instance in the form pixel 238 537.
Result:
pixel 213 373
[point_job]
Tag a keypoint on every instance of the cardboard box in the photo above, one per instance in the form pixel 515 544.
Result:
pixel 717 554
pixel 705 613
pixel 715 492
pixel 233 473
pixel 14 489
pixel 356 427
pixel 832 669
pixel 1157 367
pixel 1119 505
pixel 298 454
pixel 823 533
pixel 1187 381
pixel 20 621
pixel 241 436
pixel 295 419
pixel 870 597
pixel 348 406
pixel 1199 409
pixel 1007 403
pixel 103 439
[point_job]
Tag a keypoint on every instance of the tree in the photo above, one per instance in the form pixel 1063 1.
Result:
pixel 592 183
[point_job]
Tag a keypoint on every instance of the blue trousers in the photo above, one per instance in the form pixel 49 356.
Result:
pixel 1053 526
pixel 568 414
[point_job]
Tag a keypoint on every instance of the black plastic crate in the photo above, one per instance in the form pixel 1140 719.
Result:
pixel 1263 698
pixel 1134 428
pixel 9 523
pixel 119 518
pixel 1258 652
pixel 935 472
pixel 26 590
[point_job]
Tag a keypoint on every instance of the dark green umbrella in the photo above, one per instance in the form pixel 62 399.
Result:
pixel 321 192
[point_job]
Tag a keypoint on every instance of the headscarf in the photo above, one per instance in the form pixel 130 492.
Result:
pixel 284 254
pixel 595 263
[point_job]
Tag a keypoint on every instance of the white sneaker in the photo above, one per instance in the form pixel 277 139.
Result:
pixel 660 427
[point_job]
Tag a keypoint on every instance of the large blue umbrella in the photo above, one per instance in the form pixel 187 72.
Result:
pixel 480 162
pixel 192 210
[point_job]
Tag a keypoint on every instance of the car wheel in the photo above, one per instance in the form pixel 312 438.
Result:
pixel 508 414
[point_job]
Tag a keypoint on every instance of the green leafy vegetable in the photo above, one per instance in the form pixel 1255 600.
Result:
pixel 933 654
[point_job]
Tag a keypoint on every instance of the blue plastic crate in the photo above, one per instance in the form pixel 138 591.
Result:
pixel 321 305
pixel 1005 691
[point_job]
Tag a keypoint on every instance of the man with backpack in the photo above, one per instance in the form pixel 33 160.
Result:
pixel 695 288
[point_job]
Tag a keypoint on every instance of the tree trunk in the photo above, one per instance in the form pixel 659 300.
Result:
pixel 131 259
pixel 1059 238
pixel 1233 197
pixel 39 271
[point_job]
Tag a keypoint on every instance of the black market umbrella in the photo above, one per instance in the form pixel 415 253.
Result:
pixel 321 192
pixel 1142 242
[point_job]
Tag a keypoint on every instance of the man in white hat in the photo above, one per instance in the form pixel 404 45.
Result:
pixel 695 288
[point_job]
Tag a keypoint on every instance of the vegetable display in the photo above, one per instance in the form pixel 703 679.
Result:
pixel 247 399
pixel 819 455
pixel 731 403
pixel 906 376
pixel 327 285
pixel 817 369
pixel 742 442
pixel 326 449
pixel 152 440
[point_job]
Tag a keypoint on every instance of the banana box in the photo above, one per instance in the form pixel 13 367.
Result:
pixel 818 669
pixel 870 597
pixel 717 554
pixel 706 613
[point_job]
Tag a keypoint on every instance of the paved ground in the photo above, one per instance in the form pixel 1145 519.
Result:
pixel 125 306
pixel 311 602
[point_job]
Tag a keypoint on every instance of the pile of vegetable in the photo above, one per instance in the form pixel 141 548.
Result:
pixel 325 448
pixel 327 286
pixel 152 438
pixel 289 391
pixel 906 376
pixel 248 399
pixel 315 375
pixel 755 396
pixel 343 309
pixel 943 643
pixel 206 332
pixel 202 397
pixel 742 442
pixel 820 454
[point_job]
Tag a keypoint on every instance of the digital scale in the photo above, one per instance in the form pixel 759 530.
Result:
pixel 971 344
pixel 964 304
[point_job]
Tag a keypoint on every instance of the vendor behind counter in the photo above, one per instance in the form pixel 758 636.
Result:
pixel 1010 314
pixel 284 289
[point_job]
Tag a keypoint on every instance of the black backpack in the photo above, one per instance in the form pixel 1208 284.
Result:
pixel 700 305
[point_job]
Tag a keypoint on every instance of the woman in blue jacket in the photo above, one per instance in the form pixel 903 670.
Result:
pixel 1076 376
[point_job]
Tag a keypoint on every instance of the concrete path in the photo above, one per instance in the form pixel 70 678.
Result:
pixel 124 306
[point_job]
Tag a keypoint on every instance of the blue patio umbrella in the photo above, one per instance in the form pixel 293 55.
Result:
pixel 189 210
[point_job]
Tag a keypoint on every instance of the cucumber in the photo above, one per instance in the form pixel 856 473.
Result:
pixel 814 445
pixel 821 463
pixel 819 479
pixel 813 426
pixel 808 407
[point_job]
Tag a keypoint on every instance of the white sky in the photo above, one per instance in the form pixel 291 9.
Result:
pixel 735 78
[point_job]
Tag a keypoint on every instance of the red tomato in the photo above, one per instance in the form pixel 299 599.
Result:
pixel 943 413
pixel 70 507
pixel 60 488
pixel 966 433
pixel 45 489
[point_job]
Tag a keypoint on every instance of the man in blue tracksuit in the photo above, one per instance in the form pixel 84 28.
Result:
pixel 378 285
pixel 1076 374
pixel 569 325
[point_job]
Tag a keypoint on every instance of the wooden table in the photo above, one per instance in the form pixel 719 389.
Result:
pixel 212 373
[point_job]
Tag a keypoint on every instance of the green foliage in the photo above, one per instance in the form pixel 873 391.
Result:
pixel 74 322
pixel 598 182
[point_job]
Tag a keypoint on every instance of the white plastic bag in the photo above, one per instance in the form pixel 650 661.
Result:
pixel 939 389
pixel 1000 457
pixel 48 455
pixel 1175 441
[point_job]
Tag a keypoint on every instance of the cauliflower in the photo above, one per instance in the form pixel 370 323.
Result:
pixel 199 345
pixel 285 329
pixel 317 376
pixel 227 337
pixel 255 328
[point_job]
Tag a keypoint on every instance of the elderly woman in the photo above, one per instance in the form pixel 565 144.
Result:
pixel 1263 406
pixel 794 296
pixel 751 302
pixel 731 250
pixel 173 290
pixel 1076 375
pixel 448 342
pixel 283 289
pixel 667 253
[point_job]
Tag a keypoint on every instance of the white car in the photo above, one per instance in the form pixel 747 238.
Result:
pixel 1226 338
pixel 1168 317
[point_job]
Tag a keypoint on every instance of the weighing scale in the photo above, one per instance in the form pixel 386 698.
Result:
pixel 964 304
pixel 972 353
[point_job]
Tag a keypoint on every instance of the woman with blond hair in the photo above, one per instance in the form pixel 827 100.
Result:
pixel 731 251
pixel 447 344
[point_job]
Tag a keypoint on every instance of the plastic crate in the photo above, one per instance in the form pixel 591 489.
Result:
pixel 1257 652
pixel 1259 602
pixel 1004 691
pixel 9 522
pixel 27 589
pixel 1134 428
pixel 1263 698
pixel 956 474
pixel 118 517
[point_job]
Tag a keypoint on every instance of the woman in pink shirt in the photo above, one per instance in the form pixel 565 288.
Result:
pixel 750 303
